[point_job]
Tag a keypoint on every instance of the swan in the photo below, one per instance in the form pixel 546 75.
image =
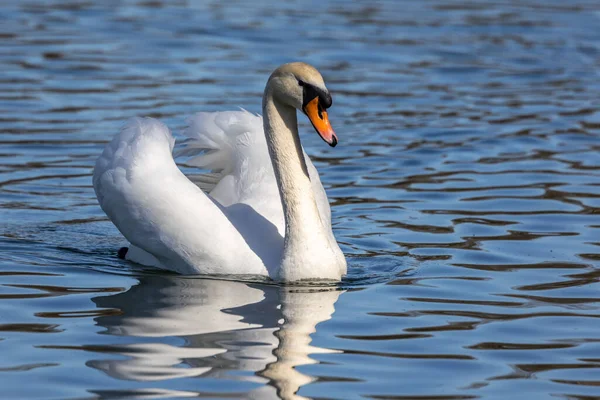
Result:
pixel 261 211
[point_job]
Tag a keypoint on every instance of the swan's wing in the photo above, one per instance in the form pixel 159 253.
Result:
pixel 160 211
pixel 232 145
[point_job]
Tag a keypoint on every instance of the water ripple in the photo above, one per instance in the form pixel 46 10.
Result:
pixel 465 195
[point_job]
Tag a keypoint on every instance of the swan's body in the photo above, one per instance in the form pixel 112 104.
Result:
pixel 266 212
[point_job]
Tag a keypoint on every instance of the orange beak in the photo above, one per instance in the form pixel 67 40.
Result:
pixel 320 121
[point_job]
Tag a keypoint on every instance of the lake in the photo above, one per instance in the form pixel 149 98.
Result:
pixel 465 194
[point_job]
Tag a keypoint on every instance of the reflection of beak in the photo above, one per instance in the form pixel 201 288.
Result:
pixel 318 116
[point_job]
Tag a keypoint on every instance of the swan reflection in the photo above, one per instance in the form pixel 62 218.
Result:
pixel 224 327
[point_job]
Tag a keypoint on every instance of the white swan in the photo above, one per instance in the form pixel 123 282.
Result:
pixel 266 212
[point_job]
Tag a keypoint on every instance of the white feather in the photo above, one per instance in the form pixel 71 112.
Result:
pixel 237 228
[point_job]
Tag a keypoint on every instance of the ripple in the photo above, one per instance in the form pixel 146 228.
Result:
pixel 465 193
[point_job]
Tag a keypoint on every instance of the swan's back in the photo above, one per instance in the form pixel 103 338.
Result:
pixel 160 210
pixel 128 154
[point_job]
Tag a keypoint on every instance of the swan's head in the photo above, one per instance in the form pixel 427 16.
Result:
pixel 301 86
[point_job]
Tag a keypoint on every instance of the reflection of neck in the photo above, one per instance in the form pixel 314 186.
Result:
pixel 304 232
pixel 302 311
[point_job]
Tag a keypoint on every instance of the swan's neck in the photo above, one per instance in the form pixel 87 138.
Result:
pixel 307 250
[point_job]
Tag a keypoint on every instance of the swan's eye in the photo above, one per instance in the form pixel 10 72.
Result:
pixel 300 82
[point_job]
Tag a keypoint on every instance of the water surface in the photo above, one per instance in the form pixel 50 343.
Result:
pixel 465 194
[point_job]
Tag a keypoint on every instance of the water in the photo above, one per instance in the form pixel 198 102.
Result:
pixel 465 193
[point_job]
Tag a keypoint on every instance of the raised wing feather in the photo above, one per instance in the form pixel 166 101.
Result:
pixel 232 145
pixel 161 211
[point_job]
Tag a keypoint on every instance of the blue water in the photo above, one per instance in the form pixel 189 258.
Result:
pixel 465 194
